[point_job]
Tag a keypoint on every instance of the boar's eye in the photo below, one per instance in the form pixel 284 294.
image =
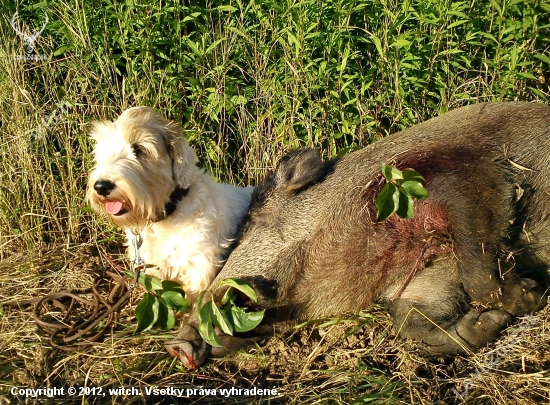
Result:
pixel 247 224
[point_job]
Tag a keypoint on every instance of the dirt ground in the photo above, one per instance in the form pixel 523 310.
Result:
pixel 356 359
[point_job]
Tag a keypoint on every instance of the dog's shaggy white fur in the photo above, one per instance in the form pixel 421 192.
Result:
pixel 146 179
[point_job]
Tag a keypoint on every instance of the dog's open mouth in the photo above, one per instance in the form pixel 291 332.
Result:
pixel 115 207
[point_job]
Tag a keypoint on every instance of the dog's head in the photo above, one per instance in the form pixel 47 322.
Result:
pixel 139 159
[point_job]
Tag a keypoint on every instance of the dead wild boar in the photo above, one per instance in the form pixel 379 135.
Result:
pixel 311 248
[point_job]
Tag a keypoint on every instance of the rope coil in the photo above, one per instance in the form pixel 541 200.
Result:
pixel 75 322
pixel 64 317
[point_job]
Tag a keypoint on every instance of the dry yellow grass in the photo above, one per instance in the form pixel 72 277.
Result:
pixel 337 362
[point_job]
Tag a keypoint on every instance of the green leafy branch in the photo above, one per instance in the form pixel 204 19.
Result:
pixel 398 192
pixel 165 298
pixel 228 317
pixel 159 304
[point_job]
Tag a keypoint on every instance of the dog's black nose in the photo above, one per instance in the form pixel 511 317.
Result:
pixel 104 187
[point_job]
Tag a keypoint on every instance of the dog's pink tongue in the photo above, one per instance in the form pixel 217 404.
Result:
pixel 113 207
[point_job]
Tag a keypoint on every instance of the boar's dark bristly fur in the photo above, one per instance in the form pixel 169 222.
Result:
pixel 311 248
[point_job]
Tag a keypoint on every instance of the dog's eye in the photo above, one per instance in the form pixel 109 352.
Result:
pixel 137 150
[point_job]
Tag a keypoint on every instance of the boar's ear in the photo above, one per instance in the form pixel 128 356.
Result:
pixel 298 170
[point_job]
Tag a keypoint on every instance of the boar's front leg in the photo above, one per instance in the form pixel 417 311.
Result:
pixel 191 349
pixel 189 346
pixel 427 312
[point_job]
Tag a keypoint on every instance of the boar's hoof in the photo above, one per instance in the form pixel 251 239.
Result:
pixel 189 347
pixel 468 334
pixel 520 297
pixel 476 329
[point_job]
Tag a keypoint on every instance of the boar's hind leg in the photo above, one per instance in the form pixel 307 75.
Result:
pixel 467 334
pixel 431 312
pixel 480 212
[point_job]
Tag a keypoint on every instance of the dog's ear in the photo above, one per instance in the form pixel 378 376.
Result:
pixel 183 156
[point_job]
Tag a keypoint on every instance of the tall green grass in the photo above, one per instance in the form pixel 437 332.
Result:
pixel 248 80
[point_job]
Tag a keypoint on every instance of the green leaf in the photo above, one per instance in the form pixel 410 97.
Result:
pixel 378 44
pixel 150 282
pixel 166 319
pixel 220 319
pixel 147 312
pixel 194 47
pixel 406 206
pixel 400 43
pixel 387 202
pixel 229 296
pixel 168 285
pixel 538 93
pixel 238 100
pixel 410 174
pixel 226 8
pixel 391 173
pixel 191 17
pixel 527 75
pixel 174 300
pixel 245 321
pixel 457 23
pixel 240 285
pixel 206 329
pixel 198 305
pixel 543 58
pixel 414 189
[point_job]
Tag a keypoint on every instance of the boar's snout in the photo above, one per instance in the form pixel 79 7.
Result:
pixel 189 347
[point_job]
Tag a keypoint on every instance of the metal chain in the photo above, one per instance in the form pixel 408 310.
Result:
pixel 137 241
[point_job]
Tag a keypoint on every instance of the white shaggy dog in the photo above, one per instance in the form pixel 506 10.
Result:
pixel 145 179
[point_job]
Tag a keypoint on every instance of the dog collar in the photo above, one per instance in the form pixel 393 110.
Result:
pixel 173 200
